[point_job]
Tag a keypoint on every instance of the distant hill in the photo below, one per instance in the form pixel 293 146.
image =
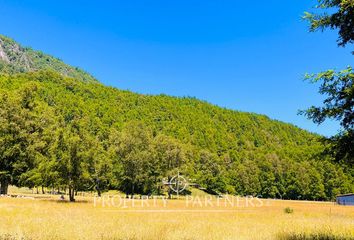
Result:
pixel 17 59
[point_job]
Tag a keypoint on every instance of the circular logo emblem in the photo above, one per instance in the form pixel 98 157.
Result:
pixel 178 184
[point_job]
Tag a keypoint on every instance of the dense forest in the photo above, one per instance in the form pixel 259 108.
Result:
pixel 58 130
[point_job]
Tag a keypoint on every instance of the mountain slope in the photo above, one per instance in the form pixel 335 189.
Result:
pixel 16 59
pixel 223 150
pixel 126 141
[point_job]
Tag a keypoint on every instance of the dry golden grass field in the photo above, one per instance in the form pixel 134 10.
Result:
pixel 45 217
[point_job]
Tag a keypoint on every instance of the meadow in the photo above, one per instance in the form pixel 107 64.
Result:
pixel 196 217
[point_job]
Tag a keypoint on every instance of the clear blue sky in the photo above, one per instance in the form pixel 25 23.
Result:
pixel 243 55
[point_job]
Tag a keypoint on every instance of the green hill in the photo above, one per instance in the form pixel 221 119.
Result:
pixel 84 135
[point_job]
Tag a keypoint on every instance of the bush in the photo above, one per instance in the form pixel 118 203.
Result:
pixel 288 210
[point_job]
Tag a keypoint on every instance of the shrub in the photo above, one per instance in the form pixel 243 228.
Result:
pixel 288 210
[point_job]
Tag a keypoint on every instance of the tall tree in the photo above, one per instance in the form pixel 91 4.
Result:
pixel 69 154
pixel 131 150
pixel 98 165
pixel 9 139
pixel 19 128
pixel 42 124
pixel 211 173
pixel 169 158
pixel 338 87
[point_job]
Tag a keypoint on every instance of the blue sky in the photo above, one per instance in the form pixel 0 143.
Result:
pixel 248 56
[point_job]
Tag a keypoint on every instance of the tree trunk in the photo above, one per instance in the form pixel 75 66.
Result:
pixel 98 189
pixel 169 188
pixel 43 190
pixel 71 194
pixel 132 193
pixel 4 185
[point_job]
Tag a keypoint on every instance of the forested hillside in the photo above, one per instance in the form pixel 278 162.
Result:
pixel 60 128
pixel 59 132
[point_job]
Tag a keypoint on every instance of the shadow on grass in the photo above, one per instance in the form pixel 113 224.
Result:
pixel 10 237
pixel 67 201
pixel 56 201
pixel 313 236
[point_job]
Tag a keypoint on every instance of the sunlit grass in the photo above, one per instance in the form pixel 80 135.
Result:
pixel 48 218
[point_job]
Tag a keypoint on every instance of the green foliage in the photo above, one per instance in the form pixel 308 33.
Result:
pixel 288 210
pixel 133 154
pixel 334 14
pixel 21 135
pixel 85 136
pixel 338 87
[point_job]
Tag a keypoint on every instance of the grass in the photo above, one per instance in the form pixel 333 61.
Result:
pixel 48 218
